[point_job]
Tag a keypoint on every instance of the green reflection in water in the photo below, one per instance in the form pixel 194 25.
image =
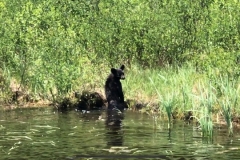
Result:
pixel 45 134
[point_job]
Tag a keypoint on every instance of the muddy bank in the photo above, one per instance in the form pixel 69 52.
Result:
pixel 82 101
pixel 87 100
pixel 96 101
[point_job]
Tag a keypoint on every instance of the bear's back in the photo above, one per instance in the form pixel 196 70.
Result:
pixel 113 88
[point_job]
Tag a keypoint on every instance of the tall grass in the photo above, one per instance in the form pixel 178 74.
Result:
pixel 172 91
pixel 169 102
pixel 204 108
pixel 227 113
pixel 228 100
pixel 184 90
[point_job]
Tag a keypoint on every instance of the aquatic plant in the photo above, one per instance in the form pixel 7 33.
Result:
pixel 227 113
pixel 203 110
pixel 228 100
pixel 167 101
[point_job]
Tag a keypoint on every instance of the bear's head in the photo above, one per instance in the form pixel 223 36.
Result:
pixel 118 73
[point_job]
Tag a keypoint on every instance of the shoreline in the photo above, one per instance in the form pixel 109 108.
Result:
pixel 133 105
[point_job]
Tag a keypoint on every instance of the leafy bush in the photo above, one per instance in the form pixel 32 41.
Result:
pixel 218 63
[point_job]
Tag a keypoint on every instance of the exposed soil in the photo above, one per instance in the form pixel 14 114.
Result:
pixel 87 100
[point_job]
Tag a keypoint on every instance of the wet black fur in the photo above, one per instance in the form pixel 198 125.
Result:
pixel 113 89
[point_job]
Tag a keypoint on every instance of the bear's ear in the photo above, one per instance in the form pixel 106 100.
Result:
pixel 113 70
pixel 122 67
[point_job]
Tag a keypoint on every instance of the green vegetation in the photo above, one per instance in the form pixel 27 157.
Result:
pixel 189 50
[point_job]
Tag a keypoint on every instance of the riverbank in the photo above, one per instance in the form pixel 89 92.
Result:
pixel 178 93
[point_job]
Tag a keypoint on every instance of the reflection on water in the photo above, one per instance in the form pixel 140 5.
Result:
pixel 113 122
pixel 45 134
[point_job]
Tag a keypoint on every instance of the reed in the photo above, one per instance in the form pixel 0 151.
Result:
pixel 227 113
pixel 229 99
pixel 203 110
pixel 167 101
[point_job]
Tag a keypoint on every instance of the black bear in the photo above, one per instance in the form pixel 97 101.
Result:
pixel 113 89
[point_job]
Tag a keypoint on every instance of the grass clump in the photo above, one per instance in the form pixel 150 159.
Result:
pixel 228 100
pixel 204 110
pixel 182 90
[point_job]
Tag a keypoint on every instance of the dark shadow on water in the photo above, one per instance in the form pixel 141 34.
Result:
pixel 113 123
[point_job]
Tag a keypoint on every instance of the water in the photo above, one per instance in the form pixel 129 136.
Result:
pixel 45 134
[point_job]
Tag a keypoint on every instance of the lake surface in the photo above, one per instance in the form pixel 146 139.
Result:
pixel 46 134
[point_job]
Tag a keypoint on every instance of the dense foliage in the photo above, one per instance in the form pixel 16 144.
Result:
pixel 54 46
